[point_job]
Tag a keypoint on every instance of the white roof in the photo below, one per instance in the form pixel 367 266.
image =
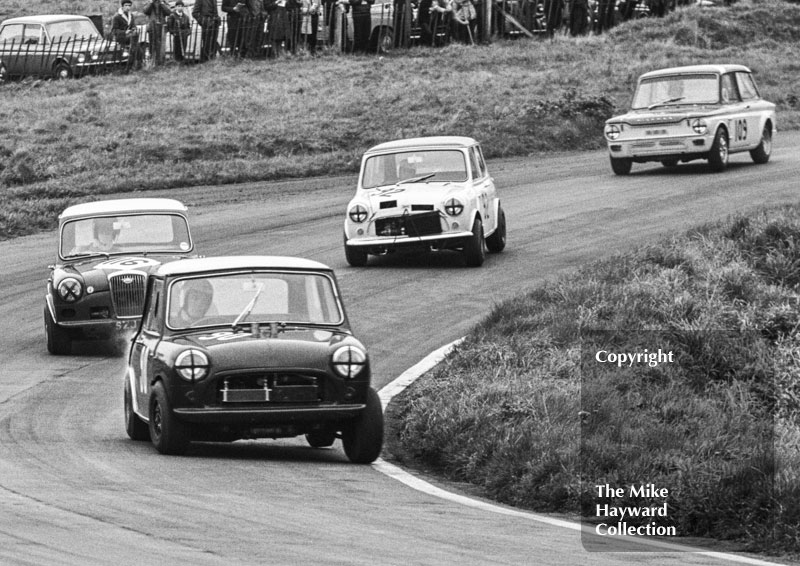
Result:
pixel 122 206
pixel 717 69
pixel 237 263
pixel 433 141
pixel 46 19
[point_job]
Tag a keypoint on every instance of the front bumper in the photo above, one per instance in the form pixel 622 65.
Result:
pixel 657 149
pixel 453 239
pixel 269 415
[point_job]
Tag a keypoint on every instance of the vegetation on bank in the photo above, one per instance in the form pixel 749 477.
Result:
pixel 523 409
pixel 228 122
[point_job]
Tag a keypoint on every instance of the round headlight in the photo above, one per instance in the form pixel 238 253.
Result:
pixel 699 126
pixel 192 365
pixel 358 213
pixel 70 290
pixel 95 56
pixel 453 207
pixel 81 57
pixel 612 132
pixel 348 361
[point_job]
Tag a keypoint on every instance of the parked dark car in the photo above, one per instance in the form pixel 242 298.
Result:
pixel 57 46
pixel 105 251
pixel 249 347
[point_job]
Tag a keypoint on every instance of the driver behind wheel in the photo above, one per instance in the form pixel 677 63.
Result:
pixel 196 298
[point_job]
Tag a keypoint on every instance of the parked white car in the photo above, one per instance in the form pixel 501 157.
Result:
pixel 695 112
pixel 428 194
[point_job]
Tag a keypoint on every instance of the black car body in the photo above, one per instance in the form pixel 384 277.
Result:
pixel 97 292
pixel 249 347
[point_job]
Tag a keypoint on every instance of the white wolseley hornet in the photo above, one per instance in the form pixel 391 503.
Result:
pixel 426 194
pixel 695 112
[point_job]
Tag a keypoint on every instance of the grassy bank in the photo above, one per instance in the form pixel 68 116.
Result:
pixel 229 122
pixel 523 410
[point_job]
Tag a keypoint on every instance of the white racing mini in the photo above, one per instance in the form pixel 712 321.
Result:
pixel 695 112
pixel 427 194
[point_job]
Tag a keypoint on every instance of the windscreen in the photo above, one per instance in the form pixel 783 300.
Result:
pixel 438 165
pixel 677 89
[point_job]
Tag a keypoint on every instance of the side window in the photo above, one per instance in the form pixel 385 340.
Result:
pixel 481 162
pixel 154 307
pixel 729 91
pixel 473 161
pixel 747 87
pixel 11 33
pixel 32 34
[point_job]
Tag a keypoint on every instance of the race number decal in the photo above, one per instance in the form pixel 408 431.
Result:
pixel 741 130
pixel 127 263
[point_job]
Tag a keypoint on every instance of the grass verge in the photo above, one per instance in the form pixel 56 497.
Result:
pixel 522 410
pixel 229 122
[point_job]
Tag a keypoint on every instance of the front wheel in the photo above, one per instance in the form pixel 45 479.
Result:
pixel 382 41
pixel 621 165
pixel 59 340
pixel 136 428
pixel 62 71
pixel 363 438
pixel 496 243
pixel 475 248
pixel 168 434
pixel 718 156
pixel 3 73
pixel 355 255
pixel 761 153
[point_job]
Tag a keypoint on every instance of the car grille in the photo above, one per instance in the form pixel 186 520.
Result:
pixel 412 225
pixel 274 387
pixel 127 294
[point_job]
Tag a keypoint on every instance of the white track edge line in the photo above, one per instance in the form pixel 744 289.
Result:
pixel 429 362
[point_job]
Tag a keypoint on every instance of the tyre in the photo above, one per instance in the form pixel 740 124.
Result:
pixel 3 73
pixel 59 340
pixel 670 163
pixel 363 438
pixel 718 156
pixel 168 434
pixel 496 243
pixel 475 248
pixel 62 71
pixel 356 256
pixel 382 40
pixel 136 428
pixel 621 165
pixel 761 153
pixel 321 439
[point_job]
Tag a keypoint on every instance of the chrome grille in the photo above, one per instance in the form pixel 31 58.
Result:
pixel 127 293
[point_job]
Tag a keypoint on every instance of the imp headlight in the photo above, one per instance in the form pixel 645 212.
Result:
pixel 453 207
pixel 70 290
pixel 348 361
pixel 612 132
pixel 358 214
pixel 192 365
pixel 699 126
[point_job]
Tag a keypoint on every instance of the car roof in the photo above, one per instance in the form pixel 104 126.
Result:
pixel 691 69
pixel 45 19
pixel 122 206
pixel 433 141
pixel 237 263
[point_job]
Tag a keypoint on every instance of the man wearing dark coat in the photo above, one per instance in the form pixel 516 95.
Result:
pixel 235 10
pixel 553 13
pixel 578 17
pixel 205 13
pixel 126 34
pixel 362 24
pixel 179 25
pixel 157 12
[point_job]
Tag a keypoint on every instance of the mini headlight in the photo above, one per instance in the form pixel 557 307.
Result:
pixel 453 207
pixel 612 131
pixel 348 361
pixel 81 57
pixel 699 126
pixel 192 365
pixel 358 214
pixel 70 290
